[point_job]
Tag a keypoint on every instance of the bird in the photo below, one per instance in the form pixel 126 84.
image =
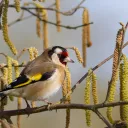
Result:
pixel 41 77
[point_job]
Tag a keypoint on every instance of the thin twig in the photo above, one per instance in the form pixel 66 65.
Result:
pixel 67 13
pixel 103 118
pixel 52 23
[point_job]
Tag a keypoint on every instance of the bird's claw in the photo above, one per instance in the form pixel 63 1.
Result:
pixel 49 104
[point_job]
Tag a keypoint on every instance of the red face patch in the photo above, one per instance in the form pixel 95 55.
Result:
pixel 64 53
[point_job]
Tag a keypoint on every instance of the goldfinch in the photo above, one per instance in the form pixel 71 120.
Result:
pixel 42 77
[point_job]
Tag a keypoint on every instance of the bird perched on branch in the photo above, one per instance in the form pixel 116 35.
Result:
pixel 41 77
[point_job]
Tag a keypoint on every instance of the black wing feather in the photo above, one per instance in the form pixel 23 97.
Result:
pixel 23 79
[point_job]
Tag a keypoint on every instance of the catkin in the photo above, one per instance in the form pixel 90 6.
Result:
pixel 94 88
pixel 19 100
pixel 78 54
pixel 9 63
pixel 33 53
pixel 16 68
pixel 84 37
pixel 4 82
pixel 124 89
pixel 66 89
pixel 31 57
pixel 38 27
pixel 114 79
pixel 4 71
pixel 58 21
pixel 87 97
pixel 45 29
pixel 5 28
pixel 44 16
pixel 17 5
pixel 89 43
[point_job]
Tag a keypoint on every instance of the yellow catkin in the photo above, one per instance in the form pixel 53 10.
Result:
pixel 78 54
pixel 87 97
pixel 19 100
pixel 58 21
pixel 114 79
pixel 31 57
pixel 84 36
pixel 16 68
pixel 5 74
pixel 5 28
pixel 89 43
pixel 44 16
pixel 33 53
pixel 38 27
pixel 17 5
pixel 94 88
pixel 66 89
pixel 9 63
pixel 124 89
pixel 45 29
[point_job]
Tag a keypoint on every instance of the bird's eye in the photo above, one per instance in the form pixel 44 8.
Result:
pixel 59 55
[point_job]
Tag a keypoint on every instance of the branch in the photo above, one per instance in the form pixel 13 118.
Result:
pixel 103 118
pixel 67 13
pixel 52 23
pixel 27 111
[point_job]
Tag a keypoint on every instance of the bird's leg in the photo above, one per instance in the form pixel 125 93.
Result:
pixel 28 106
pixel 49 103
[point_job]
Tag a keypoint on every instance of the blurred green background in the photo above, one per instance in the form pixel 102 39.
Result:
pixel 106 16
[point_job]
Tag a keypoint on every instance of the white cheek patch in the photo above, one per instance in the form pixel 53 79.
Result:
pixel 58 50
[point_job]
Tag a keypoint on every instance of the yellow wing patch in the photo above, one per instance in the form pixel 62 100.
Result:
pixel 26 83
pixel 30 79
pixel 36 77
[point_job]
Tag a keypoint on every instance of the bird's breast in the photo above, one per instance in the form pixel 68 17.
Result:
pixel 44 89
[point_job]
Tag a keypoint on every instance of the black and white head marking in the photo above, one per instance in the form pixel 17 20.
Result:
pixel 60 52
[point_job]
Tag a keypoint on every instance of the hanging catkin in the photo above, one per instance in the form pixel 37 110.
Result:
pixel 94 88
pixel 66 89
pixel 19 100
pixel 44 16
pixel 87 97
pixel 4 82
pixel 5 27
pixel 89 43
pixel 33 53
pixel 38 27
pixel 58 21
pixel 9 63
pixel 17 5
pixel 114 79
pixel 84 36
pixel 79 58
pixel 124 89
pixel 45 29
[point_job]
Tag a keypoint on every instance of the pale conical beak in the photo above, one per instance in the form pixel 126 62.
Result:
pixel 67 59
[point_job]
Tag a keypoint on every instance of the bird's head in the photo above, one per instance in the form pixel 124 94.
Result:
pixel 61 53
